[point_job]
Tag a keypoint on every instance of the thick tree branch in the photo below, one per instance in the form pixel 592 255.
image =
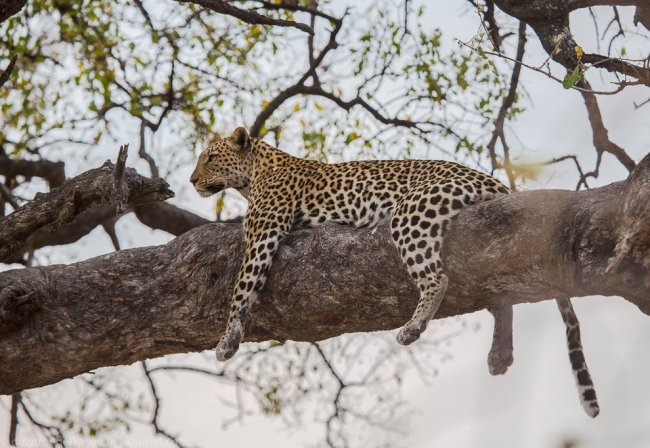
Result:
pixel 171 219
pixel 553 9
pixel 550 19
pixel 60 206
pixel 59 321
pixel 642 16
pixel 10 7
pixel 294 6
pixel 52 172
pixel 616 65
pixel 250 17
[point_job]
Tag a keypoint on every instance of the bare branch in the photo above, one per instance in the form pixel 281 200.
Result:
pixel 142 152
pixel 250 17
pixel 5 193
pixel 109 228
pixel 617 65
pixel 157 215
pixel 616 20
pixel 171 219
pixel 600 134
pixel 7 72
pixel 144 13
pixel 508 101
pixel 550 19
pixel 529 10
pixel 583 177
pixel 636 106
pixel 52 172
pixel 295 6
pixel 13 424
pixel 487 14
pixel 156 409
pixel 299 87
pixel 53 434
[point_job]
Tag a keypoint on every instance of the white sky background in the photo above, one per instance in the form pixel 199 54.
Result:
pixel 536 403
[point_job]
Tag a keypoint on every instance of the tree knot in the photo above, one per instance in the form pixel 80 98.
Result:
pixel 16 307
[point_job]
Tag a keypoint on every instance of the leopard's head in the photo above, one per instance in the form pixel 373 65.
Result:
pixel 223 165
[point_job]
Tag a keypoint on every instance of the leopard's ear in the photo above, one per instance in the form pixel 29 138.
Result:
pixel 241 139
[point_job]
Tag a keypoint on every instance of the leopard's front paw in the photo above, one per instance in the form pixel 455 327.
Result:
pixel 225 351
pixel 411 332
pixel 229 343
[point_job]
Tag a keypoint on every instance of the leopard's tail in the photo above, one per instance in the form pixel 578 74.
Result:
pixel 577 358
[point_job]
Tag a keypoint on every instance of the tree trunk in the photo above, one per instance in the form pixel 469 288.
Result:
pixel 59 321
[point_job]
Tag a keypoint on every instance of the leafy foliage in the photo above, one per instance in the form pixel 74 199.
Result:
pixel 87 68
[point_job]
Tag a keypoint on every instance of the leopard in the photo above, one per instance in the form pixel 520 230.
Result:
pixel 416 198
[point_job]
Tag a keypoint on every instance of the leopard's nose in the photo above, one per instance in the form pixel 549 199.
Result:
pixel 194 179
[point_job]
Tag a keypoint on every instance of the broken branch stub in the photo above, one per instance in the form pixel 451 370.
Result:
pixel 120 191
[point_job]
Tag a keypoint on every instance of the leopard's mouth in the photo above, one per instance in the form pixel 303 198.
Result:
pixel 212 189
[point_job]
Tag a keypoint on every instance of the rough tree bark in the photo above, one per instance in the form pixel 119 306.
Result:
pixel 59 321
pixel 10 7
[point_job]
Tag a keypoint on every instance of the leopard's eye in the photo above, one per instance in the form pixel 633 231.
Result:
pixel 212 158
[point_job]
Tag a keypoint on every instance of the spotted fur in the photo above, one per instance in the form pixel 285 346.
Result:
pixel 417 197
pixel 577 358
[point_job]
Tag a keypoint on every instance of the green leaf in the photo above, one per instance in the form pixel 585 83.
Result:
pixel 571 79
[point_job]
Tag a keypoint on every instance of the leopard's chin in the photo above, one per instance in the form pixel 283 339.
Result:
pixel 211 189
pixel 204 193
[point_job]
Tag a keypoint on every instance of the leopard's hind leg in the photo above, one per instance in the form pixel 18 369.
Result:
pixel 418 225
pixel 500 357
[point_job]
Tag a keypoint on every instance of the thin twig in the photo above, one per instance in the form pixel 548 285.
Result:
pixel 508 101
pixel 600 134
pixel 621 85
pixel 53 434
pixel 13 424
pixel 5 192
pixel 583 178
pixel 156 409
